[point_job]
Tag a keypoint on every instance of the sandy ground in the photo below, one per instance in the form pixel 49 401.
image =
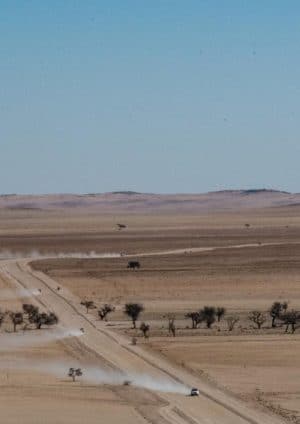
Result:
pixel 242 376
pixel 213 406
pixel 237 278
pixel 262 368
pixel 32 393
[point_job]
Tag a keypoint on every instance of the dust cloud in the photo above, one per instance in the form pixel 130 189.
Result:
pixel 35 254
pixel 30 338
pixel 7 294
pixel 96 375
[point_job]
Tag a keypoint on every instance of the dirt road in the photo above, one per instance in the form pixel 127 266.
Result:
pixel 213 405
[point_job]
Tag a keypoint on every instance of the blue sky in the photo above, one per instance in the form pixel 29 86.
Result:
pixel 156 96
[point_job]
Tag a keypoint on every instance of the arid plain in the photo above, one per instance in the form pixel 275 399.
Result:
pixel 238 250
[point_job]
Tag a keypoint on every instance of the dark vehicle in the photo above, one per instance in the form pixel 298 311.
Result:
pixel 133 265
pixel 195 392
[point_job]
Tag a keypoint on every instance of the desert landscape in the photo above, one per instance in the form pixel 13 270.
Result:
pixel 210 268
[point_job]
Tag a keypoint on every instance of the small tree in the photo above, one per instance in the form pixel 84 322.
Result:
pixel 231 321
pixel 104 311
pixel 29 309
pixel 290 318
pixel 74 372
pixel 16 318
pixel 43 318
pixel 2 316
pixel 171 324
pixel 209 315
pixel 220 312
pixel 258 318
pixel 196 318
pixel 172 327
pixel 89 304
pixel 277 309
pixel 133 310
pixel 145 329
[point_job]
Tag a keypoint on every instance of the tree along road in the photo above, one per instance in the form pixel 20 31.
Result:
pixel 213 406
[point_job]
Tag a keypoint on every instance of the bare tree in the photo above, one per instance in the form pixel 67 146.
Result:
pixel 209 315
pixel 145 328
pixel 105 310
pixel 277 309
pixel 16 319
pixel 74 372
pixel 258 318
pixel 133 310
pixel 196 318
pixel 89 304
pixel 172 327
pixel 220 312
pixel 231 321
pixel 171 324
pixel 290 318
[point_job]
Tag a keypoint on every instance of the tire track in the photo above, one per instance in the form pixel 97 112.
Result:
pixel 182 416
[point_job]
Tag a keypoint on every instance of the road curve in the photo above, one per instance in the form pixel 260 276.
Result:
pixel 212 407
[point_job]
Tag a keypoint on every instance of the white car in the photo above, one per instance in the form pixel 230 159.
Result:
pixel 195 392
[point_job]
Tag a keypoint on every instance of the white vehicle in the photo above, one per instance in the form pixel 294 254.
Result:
pixel 195 392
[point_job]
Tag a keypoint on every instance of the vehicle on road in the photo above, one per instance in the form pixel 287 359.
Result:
pixel 195 392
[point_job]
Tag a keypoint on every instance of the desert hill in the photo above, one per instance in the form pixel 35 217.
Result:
pixel 129 201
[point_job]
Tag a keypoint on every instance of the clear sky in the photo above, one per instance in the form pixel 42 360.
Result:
pixel 149 95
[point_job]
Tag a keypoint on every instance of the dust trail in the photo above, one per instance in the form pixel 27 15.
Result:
pixel 88 255
pixel 29 338
pixel 35 254
pixel 7 294
pixel 96 375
